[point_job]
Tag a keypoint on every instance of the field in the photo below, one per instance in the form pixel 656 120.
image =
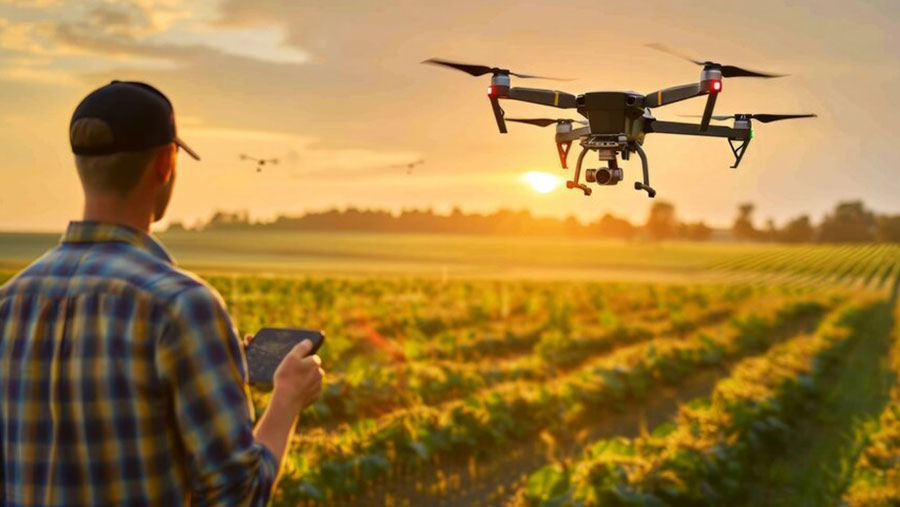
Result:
pixel 545 371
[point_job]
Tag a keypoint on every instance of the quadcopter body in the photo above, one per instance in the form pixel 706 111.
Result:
pixel 615 123
pixel 260 162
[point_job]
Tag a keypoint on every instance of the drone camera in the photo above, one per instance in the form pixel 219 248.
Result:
pixel 604 176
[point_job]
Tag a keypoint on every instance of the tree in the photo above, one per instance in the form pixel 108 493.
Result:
pixel 612 226
pixel 176 226
pixel 743 225
pixel 798 230
pixel 771 232
pixel 697 231
pixel 850 222
pixel 662 223
pixel 888 229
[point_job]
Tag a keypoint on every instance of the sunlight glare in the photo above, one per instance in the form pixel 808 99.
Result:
pixel 541 182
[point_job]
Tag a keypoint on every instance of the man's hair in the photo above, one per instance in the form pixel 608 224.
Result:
pixel 115 173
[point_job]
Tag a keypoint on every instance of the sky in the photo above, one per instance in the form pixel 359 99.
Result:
pixel 337 92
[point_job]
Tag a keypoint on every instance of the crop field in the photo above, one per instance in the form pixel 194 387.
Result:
pixel 494 373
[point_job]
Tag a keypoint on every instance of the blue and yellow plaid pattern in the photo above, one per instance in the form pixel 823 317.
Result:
pixel 122 382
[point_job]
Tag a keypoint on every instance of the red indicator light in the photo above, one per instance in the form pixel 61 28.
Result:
pixel 716 86
pixel 498 91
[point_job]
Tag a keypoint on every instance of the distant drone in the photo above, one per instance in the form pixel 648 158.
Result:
pixel 260 162
pixel 618 121
pixel 408 166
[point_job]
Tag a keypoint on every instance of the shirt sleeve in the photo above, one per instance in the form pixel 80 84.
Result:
pixel 200 362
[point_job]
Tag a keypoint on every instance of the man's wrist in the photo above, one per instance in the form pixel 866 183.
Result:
pixel 284 403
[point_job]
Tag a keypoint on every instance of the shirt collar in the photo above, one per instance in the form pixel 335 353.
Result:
pixel 101 232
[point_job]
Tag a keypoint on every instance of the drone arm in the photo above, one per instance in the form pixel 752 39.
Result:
pixel 738 139
pixel 572 135
pixel 708 111
pixel 498 114
pixel 692 129
pixel 553 98
pixel 673 94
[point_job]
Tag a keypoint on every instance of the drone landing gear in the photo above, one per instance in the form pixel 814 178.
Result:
pixel 563 149
pixel 611 171
pixel 738 151
pixel 574 182
pixel 644 166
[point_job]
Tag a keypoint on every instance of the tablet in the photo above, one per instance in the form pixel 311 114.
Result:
pixel 270 345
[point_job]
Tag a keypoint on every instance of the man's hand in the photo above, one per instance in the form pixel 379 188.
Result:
pixel 298 383
pixel 298 379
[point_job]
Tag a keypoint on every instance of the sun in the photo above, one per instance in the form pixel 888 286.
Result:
pixel 541 182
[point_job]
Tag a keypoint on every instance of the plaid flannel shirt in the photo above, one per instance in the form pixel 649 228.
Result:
pixel 122 382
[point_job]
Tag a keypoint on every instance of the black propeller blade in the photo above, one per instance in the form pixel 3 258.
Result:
pixel 727 70
pixel 761 117
pixel 480 70
pixel 545 122
pixel 768 118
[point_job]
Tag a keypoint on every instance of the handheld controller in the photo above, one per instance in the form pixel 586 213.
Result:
pixel 269 346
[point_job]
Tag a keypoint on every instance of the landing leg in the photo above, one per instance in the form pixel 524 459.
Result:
pixel 574 183
pixel 738 151
pixel 646 184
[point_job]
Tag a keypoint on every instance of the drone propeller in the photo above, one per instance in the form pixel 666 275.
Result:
pixel 727 70
pixel 480 70
pixel 760 117
pixel 545 122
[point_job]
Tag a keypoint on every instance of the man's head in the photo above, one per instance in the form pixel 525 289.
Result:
pixel 125 145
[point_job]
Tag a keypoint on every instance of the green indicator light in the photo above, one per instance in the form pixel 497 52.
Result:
pixel 751 133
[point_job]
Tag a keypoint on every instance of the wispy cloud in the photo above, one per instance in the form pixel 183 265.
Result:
pixel 229 134
pixel 145 33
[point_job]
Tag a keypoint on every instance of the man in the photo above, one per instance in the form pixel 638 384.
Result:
pixel 122 380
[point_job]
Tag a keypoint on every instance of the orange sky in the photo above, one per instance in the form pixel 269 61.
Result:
pixel 336 90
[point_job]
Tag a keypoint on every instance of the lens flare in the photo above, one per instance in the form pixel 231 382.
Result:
pixel 541 182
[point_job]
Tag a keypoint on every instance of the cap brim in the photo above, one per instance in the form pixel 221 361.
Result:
pixel 181 144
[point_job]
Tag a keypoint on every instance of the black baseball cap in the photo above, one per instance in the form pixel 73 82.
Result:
pixel 138 117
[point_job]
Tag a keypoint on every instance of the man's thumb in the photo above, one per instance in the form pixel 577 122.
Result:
pixel 303 348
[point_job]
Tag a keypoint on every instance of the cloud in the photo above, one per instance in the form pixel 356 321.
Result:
pixel 231 134
pixel 30 38
pixel 142 34
pixel 32 4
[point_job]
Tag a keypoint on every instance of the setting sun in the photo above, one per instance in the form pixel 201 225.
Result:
pixel 541 182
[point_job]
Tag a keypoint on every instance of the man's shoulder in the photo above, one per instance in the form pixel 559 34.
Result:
pixel 108 267
pixel 165 281
pixel 180 284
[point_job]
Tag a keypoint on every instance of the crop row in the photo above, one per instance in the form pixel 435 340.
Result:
pixel 701 458
pixel 327 465
pixel 382 320
pixel 871 265
pixel 876 476
pixel 380 390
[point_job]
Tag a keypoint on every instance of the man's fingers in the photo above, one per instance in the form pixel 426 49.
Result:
pixel 316 359
pixel 247 339
pixel 302 348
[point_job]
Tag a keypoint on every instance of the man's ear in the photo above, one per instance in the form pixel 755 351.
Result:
pixel 164 163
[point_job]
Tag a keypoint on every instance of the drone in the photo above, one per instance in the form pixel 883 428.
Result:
pixel 260 162
pixel 616 122
pixel 409 166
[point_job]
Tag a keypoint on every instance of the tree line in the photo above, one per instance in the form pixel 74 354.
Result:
pixel 849 222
